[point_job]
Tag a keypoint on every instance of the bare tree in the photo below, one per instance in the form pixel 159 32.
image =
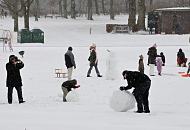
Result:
pixel 132 15
pixel 14 6
pixel 97 7
pixel 141 15
pixel 111 10
pixel 65 8
pixel 103 7
pixel 89 10
pixel 73 12
pixel 150 5
pixel 60 7
pixel 26 10
pixel 126 5
pixel 37 10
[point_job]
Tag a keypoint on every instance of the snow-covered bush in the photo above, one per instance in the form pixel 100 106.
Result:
pixel 122 101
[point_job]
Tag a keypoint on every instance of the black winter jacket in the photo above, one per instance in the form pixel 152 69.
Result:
pixel 152 53
pixel 92 57
pixel 70 84
pixel 13 74
pixel 69 59
pixel 135 79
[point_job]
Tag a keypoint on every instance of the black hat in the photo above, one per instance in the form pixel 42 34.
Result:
pixel 124 74
pixel 70 48
pixel 11 57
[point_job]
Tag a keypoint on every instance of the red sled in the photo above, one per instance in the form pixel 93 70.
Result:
pixel 185 75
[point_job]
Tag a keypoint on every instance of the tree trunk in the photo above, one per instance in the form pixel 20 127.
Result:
pixel 150 5
pixel 60 8
pixel 90 10
pixel 65 8
pixel 141 15
pixel 111 10
pixel 37 13
pixel 97 7
pixel 127 5
pixel 132 15
pixel 26 14
pixel 103 7
pixel 73 14
pixel 15 17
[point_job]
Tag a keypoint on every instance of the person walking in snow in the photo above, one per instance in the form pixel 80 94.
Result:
pixel 159 64
pixel 163 58
pixel 93 61
pixel 67 86
pixel 14 78
pixel 70 62
pixel 141 84
pixel 152 53
pixel 141 64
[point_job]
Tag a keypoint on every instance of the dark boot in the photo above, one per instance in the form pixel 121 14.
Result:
pixel 146 109
pixel 139 108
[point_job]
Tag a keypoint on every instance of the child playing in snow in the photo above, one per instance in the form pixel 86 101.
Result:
pixel 141 64
pixel 159 65
pixel 163 58
pixel 67 86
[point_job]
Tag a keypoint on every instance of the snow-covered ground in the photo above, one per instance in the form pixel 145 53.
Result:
pixel 44 109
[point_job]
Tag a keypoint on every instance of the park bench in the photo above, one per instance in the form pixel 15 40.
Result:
pixel 48 16
pixel 60 73
pixel 121 29
pixel 117 28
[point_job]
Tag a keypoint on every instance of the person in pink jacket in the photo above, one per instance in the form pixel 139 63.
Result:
pixel 159 65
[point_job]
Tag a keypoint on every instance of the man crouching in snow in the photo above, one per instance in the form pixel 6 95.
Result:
pixel 141 83
pixel 67 86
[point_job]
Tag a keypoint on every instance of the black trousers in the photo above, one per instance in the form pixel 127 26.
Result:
pixel 141 95
pixel 10 93
pixel 96 68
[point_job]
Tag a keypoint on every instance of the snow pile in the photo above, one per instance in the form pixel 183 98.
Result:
pixel 72 96
pixel 122 101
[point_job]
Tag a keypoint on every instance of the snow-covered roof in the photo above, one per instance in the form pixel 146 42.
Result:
pixel 174 9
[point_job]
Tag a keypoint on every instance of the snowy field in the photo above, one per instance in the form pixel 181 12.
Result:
pixel 44 109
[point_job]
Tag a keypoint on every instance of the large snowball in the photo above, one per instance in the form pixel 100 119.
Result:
pixel 122 101
pixel 72 96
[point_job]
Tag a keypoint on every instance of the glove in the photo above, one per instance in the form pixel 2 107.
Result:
pixel 77 86
pixel 122 88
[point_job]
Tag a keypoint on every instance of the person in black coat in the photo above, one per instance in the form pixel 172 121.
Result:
pixel 70 62
pixel 163 58
pixel 67 86
pixel 181 60
pixel 152 54
pixel 14 78
pixel 141 84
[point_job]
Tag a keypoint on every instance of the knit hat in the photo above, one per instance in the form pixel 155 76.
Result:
pixel 70 48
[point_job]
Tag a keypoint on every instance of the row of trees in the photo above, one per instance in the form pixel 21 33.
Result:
pixel 17 7
pixel 74 8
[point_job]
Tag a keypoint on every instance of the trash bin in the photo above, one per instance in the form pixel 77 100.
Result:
pixel 37 36
pixel 24 36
